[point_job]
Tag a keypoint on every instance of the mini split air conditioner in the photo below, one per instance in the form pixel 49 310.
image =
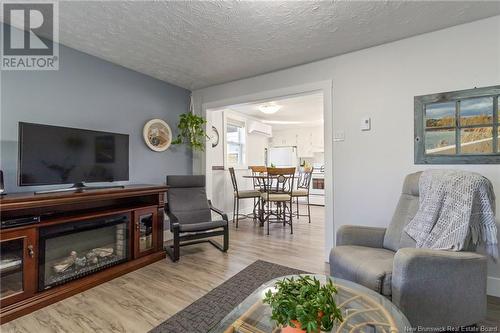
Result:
pixel 256 127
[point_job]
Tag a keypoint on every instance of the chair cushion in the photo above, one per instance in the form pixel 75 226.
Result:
pixel 187 199
pixel 249 194
pixel 275 196
pixel 186 181
pixel 300 193
pixel 395 238
pixel 189 205
pixel 368 266
pixel 202 226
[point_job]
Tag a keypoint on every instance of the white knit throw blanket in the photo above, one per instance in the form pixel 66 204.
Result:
pixel 455 208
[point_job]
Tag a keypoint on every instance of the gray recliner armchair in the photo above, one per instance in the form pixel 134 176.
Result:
pixel 432 288
pixel 190 215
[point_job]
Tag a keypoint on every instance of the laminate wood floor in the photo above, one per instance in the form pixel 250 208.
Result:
pixel 140 300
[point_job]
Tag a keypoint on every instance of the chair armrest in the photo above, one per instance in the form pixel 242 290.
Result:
pixel 436 288
pixel 361 236
pixel 218 211
pixel 171 216
pixel 174 221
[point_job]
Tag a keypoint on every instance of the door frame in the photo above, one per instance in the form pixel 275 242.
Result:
pixel 326 87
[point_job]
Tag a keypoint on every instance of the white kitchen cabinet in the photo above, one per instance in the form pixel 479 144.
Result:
pixel 318 142
pixel 308 140
pixel 282 139
pixel 305 144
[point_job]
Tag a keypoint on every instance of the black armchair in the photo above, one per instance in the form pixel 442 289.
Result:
pixel 190 215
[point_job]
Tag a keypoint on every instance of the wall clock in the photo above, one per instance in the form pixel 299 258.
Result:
pixel 215 137
pixel 157 135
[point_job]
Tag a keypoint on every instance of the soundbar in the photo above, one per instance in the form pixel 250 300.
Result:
pixel 19 221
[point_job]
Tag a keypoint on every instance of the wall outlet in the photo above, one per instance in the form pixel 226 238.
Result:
pixel 366 124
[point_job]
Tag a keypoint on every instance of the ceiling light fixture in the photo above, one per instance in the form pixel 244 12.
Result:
pixel 282 122
pixel 269 108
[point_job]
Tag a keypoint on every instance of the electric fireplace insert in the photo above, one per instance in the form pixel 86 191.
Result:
pixel 72 250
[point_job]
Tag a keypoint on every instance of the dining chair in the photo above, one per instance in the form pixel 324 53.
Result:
pixel 258 170
pixel 258 184
pixel 279 189
pixel 241 194
pixel 302 191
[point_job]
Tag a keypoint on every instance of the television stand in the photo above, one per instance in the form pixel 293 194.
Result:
pixel 121 228
pixel 79 187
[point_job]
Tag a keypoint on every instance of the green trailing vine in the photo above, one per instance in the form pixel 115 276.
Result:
pixel 305 301
pixel 191 131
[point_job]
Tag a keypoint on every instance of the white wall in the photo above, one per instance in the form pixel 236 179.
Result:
pixel 215 155
pixel 221 192
pixel 381 82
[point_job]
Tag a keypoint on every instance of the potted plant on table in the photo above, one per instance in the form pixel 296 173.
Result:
pixel 303 304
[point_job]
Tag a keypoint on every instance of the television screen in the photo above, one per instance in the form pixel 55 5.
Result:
pixel 61 155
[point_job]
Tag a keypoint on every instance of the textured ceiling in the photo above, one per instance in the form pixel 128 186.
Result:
pixel 296 111
pixel 196 44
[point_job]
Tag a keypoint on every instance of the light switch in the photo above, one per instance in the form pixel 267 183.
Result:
pixel 366 124
pixel 338 136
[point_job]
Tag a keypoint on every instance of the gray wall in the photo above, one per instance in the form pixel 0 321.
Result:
pixel 87 92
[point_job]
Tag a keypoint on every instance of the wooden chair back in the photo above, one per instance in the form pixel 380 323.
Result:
pixel 257 170
pixel 280 180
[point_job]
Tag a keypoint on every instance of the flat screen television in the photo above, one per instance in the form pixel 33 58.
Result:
pixel 51 155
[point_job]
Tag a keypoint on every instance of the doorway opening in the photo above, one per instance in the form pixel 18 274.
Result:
pixel 286 130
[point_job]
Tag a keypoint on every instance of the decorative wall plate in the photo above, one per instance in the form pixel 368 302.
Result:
pixel 157 135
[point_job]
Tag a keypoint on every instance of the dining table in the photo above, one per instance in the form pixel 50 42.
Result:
pixel 264 182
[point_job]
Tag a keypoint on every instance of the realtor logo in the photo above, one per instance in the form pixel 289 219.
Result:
pixel 30 36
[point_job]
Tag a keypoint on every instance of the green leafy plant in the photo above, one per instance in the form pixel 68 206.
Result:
pixel 191 131
pixel 305 301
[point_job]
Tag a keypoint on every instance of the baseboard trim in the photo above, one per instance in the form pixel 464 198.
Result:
pixel 493 288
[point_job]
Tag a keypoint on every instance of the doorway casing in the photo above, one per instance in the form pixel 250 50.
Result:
pixel 325 87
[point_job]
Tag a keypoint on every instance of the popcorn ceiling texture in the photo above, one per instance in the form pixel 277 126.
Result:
pixel 201 43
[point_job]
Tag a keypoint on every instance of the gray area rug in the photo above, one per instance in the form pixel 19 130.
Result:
pixel 207 311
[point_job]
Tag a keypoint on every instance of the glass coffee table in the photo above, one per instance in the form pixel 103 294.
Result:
pixel 363 310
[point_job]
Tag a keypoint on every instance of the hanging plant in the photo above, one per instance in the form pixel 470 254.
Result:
pixel 191 131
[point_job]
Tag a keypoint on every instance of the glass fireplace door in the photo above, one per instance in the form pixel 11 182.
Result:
pixel 17 265
pixel 145 231
pixel 72 250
